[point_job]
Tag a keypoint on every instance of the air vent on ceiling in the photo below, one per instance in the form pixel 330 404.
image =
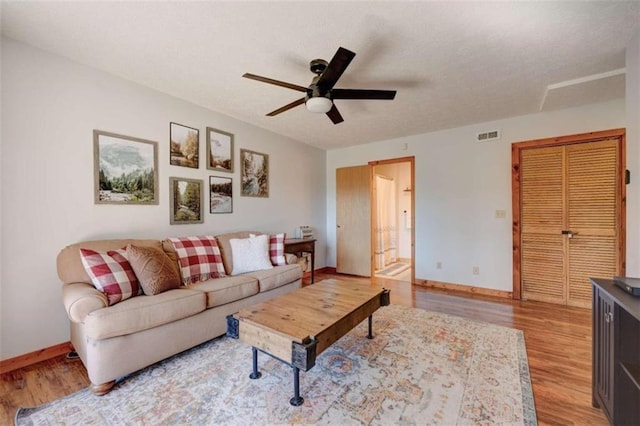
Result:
pixel 488 136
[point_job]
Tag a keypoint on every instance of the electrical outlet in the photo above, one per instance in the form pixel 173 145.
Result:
pixel 501 214
pixel 438 265
pixel 476 270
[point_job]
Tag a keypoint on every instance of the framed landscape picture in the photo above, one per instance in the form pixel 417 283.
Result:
pixel 186 200
pixel 184 146
pixel 125 169
pixel 220 195
pixel 219 150
pixel 254 174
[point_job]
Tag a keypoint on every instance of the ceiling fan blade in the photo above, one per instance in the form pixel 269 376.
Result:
pixel 363 94
pixel 276 82
pixel 336 67
pixel 286 107
pixel 334 115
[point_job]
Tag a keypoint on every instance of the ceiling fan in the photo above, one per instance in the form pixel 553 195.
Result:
pixel 320 94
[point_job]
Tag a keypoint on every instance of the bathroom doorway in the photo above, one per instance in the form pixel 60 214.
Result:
pixel 392 223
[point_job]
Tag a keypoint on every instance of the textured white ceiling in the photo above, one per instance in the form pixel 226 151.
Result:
pixel 452 63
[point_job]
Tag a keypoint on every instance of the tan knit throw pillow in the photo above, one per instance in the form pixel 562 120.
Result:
pixel 154 269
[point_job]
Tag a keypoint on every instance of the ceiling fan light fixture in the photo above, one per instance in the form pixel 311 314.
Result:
pixel 320 94
pixel 319 104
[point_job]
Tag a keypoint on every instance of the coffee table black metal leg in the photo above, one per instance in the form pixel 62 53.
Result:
pixel 255 374
pixel 297 399
pixel 370 335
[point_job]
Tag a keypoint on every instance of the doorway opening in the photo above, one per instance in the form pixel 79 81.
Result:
pixel 392 223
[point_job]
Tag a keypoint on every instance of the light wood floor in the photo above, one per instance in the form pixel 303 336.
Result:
pixel 558 343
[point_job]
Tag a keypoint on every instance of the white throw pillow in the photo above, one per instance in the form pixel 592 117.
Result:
pixel 250 254
pixel 276 249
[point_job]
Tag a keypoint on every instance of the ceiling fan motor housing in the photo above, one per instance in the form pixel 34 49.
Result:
pixel 318 99
pixel 315 91
pixel 317 66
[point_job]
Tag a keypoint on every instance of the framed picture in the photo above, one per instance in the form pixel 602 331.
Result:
pixel 125 169
pixel 186 200
pixel 220 195
pixel 184 146
pixel 219 150
pixel 254 175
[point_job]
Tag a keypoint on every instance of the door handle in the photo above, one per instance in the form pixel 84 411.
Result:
pixel 568 233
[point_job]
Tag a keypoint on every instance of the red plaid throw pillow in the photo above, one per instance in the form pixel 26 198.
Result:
pixel 276 249
pixel 199 258
pixel 111 273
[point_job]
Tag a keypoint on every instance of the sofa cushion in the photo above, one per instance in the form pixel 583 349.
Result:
pixel 225 247
pixel 277 276
pixel 225 290
pixel 199 258
pixel 144 312
pixel 111 273
pixel 250 254
pixel 155 271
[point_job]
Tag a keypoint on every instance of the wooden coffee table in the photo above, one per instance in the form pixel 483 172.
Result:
pixel 297 327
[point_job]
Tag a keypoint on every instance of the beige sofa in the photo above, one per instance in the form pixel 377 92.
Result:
pixel 116 340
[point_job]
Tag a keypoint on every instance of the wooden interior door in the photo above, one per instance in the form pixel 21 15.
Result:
pixel 571 220
pixel 593 179
pixel 353 221
pixel 542 221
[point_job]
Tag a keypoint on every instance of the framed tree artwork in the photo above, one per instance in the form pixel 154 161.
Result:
pixel 186 200
pixel 220 195
pixel 219 150
pixel 125 169
pixel 184 146
pixel 254 174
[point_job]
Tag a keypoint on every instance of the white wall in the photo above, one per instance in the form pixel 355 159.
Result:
pixel 632 98
pixel 50 107
pixel 460 183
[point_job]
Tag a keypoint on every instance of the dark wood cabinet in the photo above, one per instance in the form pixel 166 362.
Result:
pixel 616 353
pixel 627 381
pixel 603 351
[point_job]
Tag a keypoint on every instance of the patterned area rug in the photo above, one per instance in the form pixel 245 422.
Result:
pixel 421 368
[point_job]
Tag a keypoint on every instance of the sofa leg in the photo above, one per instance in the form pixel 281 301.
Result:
pixel 102 388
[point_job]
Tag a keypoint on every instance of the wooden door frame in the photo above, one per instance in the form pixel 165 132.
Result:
pixel 516 150
pixel 411 160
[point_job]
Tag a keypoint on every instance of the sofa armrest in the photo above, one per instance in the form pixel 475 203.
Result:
pixel 80 299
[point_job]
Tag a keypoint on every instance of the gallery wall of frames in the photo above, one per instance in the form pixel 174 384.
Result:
pixel 126 172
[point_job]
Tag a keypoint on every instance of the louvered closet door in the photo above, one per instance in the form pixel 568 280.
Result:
pixel 568 216
pixel 592 212
pixel 542 218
